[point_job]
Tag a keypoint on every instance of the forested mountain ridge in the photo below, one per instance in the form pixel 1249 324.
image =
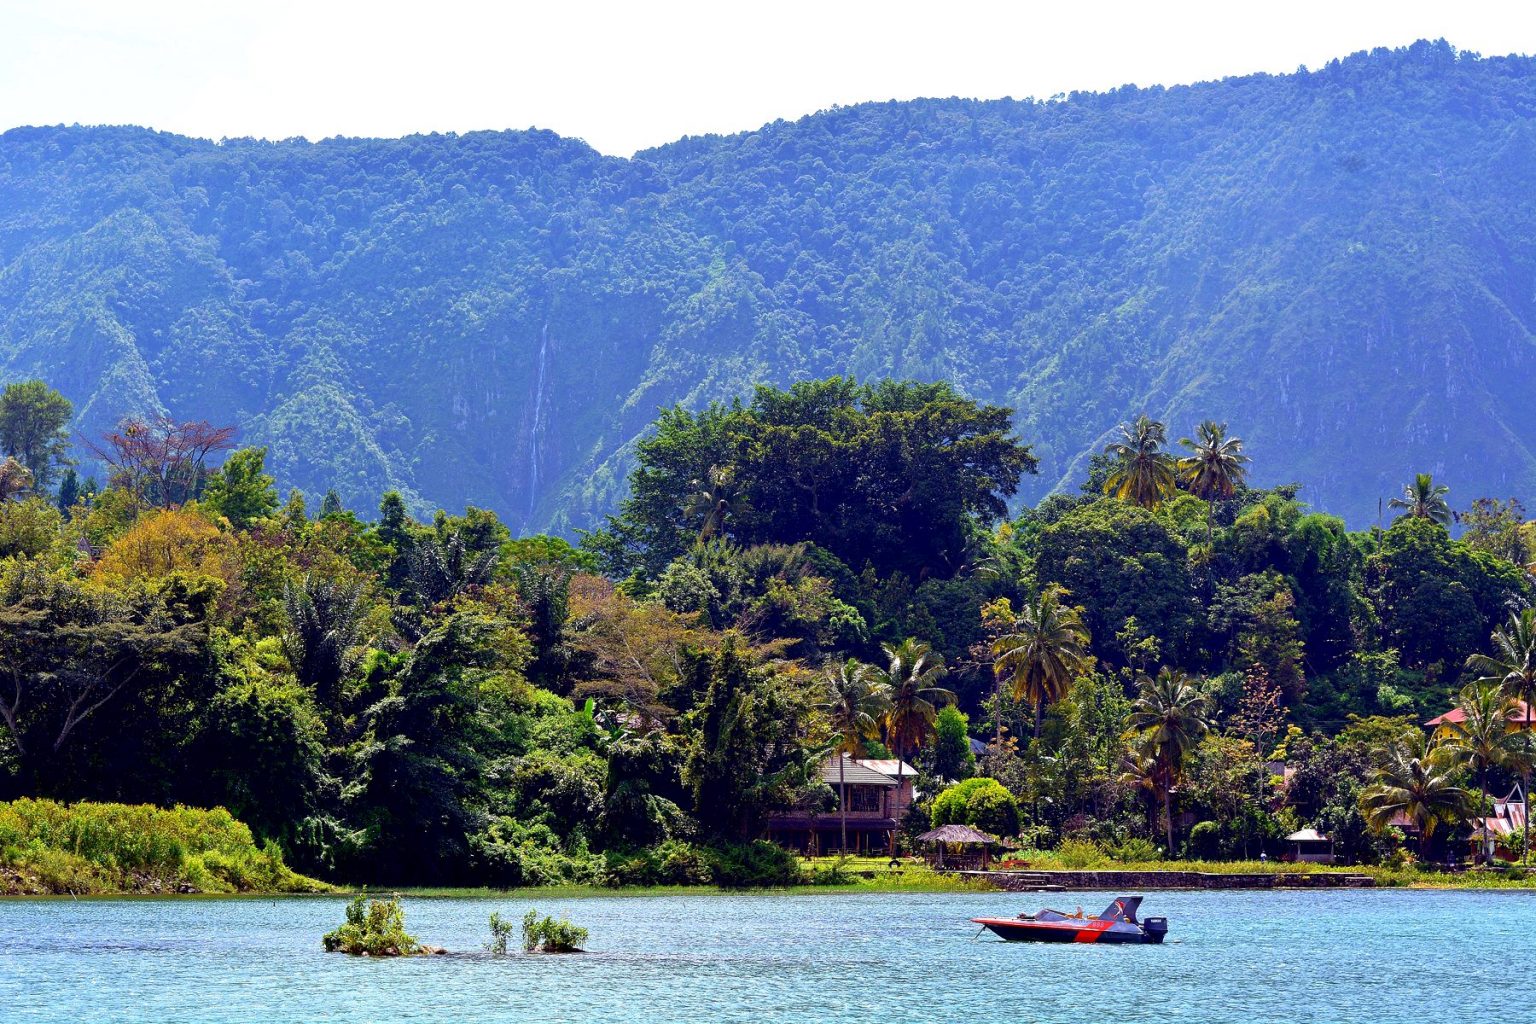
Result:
pixel 1342 263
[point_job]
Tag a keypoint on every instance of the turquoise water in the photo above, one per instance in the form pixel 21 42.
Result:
pixel 1341 957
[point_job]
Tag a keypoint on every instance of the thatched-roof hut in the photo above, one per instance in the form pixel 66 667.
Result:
pixel 973 847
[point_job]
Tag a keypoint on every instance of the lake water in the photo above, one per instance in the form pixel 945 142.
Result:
pixel 1242 957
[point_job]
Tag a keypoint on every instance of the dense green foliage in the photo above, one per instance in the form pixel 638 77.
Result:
pixel 1336 259
pixel 372 928
pixel 437 702
pixel 551 936
pixel 47 847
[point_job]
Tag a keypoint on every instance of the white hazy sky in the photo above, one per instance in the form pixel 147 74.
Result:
pixel 625 76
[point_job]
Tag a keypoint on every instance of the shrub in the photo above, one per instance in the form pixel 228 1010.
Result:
pixel 754 865
pixel 372 928
pixel 1135 850
pixel 1205 840
pixel 1079 853
pixel 674 862
pixel 104 847
pixel 551 936
pixel 511 854
pixel 501 931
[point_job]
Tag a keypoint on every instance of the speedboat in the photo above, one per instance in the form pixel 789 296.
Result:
pixel 1117 924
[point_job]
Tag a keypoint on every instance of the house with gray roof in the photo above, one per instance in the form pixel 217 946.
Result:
pixel 875 793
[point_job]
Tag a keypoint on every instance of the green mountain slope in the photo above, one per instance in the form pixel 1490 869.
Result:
pixel 1342 263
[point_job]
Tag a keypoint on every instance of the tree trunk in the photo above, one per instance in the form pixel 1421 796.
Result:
pixel 997 712
pixel 1039 714
pixel 1168 817
pixel 1482 813
pixel 842 804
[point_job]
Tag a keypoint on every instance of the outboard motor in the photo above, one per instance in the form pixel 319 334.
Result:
pixel 1155 928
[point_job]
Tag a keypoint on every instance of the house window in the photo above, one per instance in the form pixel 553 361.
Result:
pixel 864 798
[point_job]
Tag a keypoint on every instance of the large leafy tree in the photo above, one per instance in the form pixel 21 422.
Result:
pixel 1171 714
pixel 1214 468
pixel 1120 562
pixel 892 474
pixel 746 748
pixel 1512 668
pixel 71 655
pixel 854 703
pixel 1141 471
pixel 1043 647
pixel 423 752
pixel 1424 499
pixel 33 428
pixel 1434 599
pixel 241 490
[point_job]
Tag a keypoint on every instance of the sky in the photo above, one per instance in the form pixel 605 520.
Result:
pixel 626 76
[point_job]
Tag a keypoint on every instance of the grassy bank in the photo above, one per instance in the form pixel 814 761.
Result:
pixel 101 849
pixel 1072 859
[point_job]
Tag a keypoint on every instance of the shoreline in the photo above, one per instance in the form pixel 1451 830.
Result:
pixel 971 885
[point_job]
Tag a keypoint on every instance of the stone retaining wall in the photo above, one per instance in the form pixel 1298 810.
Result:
pixel 1027 881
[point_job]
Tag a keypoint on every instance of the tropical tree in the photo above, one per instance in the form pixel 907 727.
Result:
pixel 34 421
pixel 15 480
pixel 1214 467
pixel 1416 778
pixel 1044 648
pixel 911 676
pixel 1424 499
pixel 1143 473
pixel 855 701
pixel 1512 668
pixel 1171 713
pixel 714 500
pixel 324 638
pixel 1482 734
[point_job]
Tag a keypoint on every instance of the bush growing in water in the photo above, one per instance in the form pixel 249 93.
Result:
pixel 372 928
pixel 551 936
pixel 501 931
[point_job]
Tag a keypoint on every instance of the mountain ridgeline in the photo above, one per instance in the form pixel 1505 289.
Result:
pixel 1341 263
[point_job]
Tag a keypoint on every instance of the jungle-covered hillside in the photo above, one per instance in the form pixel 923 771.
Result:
pixel 829 566
pixel 1340 259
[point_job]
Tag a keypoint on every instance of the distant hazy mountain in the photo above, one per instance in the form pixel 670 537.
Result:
pixel 1342 263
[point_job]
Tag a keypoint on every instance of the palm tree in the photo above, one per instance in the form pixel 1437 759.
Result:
pixel 1424 499
pixel 1482 734
pixel 1172 714
pixel 855 700
pixel 1512 668
pixel 1045 649
pixel 15 479
pixel 1417 779
pixel 1214 467
pixel 911 679
pixel 1143 473
pixel 715 499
